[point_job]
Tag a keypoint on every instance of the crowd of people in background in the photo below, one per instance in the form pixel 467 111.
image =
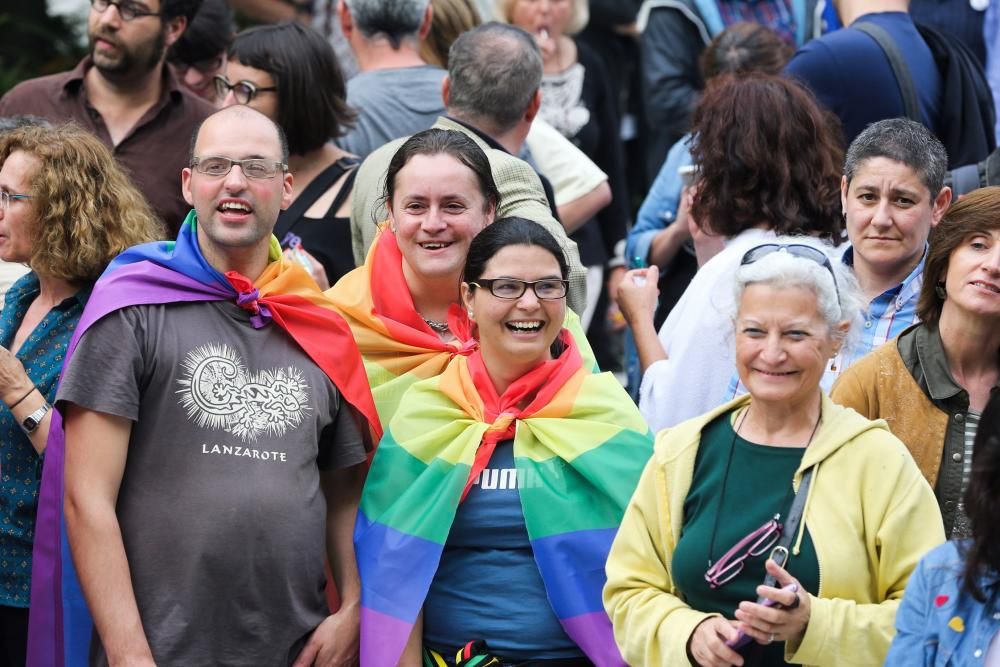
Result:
pixel 532 333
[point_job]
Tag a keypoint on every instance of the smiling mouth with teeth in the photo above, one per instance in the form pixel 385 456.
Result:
pixel 987 286
pixel 525 326
pixel 234 206
pixel 434 246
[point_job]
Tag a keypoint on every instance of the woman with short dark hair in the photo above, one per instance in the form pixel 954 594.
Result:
pixel 499 484
pixel 290 73
pixel 932 382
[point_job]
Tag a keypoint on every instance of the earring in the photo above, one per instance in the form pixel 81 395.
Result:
pixel 939 290
pixel 471 318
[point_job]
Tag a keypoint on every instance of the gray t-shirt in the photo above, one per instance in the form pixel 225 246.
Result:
pixel 221 510
pixel 392 103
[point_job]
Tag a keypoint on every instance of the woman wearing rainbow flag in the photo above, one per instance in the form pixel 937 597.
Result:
pixel 515 464
pixel 440 193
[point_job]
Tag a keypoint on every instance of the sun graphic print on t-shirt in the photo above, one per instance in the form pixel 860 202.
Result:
pixel 220 393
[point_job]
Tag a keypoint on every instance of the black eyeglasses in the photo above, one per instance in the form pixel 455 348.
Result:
pixel 127 10
pixel 796 250
pixel 252 167
pixel 547 289
pixel 243 91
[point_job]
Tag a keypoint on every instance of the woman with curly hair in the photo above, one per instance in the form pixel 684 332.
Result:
pixel 768 166
pixel 66 210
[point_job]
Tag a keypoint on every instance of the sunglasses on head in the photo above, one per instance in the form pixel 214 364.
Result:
pixel 796 250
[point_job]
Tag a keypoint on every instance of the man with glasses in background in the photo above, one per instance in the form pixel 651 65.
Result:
pixel 125 94
pixel 220 464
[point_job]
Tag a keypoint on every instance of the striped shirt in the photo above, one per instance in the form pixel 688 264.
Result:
pixel 887 316
pixel 961 529
pixel 775 14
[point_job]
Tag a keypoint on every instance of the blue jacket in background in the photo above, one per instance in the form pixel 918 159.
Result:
pixel 939 622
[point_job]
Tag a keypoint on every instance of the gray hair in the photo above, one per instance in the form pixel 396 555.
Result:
pixel 783 270
pixel 495 71
pixel 8 123
pixel 396 20
pixel 904 141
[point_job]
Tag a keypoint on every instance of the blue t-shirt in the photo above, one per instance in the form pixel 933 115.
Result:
pixel 851 75
pixel 487 585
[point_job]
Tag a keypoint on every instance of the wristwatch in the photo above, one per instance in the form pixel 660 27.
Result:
pixel 32 421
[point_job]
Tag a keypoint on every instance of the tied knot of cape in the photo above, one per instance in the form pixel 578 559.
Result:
pixel 247 298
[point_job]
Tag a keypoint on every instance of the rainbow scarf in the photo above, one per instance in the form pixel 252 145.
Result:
pixel 579 436
pixel 159 273
pixel 396 344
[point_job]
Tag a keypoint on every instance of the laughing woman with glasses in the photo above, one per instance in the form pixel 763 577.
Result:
pixel 290 73
pixel 778 528
pixel 495 493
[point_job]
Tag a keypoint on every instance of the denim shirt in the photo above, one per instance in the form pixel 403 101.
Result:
pixel 659 208
pixel 939 622
pixel 42 355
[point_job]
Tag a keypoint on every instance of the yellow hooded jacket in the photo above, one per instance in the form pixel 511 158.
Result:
pixel 870 513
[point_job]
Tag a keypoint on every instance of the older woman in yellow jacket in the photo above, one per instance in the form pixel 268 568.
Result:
pixel 867 514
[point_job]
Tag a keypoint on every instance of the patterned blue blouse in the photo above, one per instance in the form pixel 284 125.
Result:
pixel 20 466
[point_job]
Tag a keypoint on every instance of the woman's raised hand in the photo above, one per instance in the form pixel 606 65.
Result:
pixel 787 620
pixel 707 645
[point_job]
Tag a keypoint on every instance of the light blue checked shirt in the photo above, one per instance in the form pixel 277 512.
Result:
pixel 886 317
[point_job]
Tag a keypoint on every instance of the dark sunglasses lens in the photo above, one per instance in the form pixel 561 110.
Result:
pixel 754 254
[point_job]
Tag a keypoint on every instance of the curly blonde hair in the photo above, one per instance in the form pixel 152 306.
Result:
pixel 87 209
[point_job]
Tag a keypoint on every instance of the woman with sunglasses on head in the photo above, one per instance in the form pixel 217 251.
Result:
pixel 779 515
pixel 499 484
pixel 769 165
pixel 951 609
pixel 289 73
pixel 931 382
pixel 66 210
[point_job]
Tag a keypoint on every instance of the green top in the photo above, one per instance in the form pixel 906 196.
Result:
pixel 759 485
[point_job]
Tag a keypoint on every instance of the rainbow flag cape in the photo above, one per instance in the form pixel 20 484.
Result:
pixel 396 344
pixel 157 273
pixel 581 441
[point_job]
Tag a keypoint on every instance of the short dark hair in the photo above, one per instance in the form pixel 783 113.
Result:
pixel 241 109
pixel 982 502
pixel 171 9
pixel 495 70
pixel 507 232
pixel 208 34
pixel 901 140
pixel 767 155
pixel 396 20
pixel 978 211
pixel 449 142
pixel 742 48
pixel 312 96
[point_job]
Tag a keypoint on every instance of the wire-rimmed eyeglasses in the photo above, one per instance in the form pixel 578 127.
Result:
pixel 7 197
pixel 243 91
pixel 757 543
pixel 218 166
pixel 547 289
pixel 128 11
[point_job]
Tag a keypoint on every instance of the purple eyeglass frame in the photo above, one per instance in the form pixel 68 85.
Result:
pixel 732 562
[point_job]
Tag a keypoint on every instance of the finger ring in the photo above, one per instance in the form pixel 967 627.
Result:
pixel 794 605
pixel 770 638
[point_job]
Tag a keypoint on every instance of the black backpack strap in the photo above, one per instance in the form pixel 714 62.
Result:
pixel 899 67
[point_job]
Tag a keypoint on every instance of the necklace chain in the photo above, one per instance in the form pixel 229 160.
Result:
pixel 729 462
pixel 440 327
